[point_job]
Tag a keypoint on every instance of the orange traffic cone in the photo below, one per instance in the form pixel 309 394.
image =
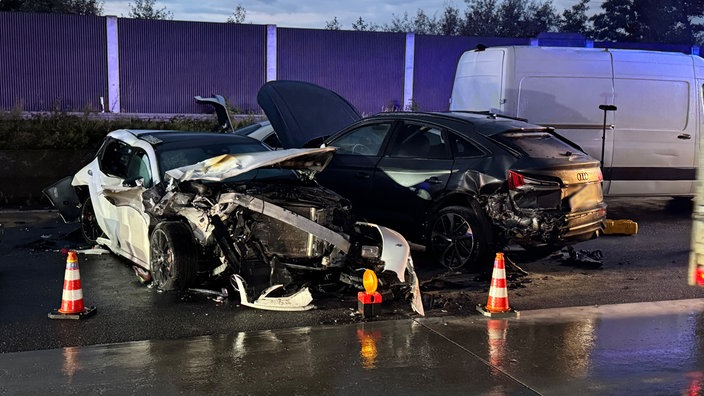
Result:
pixel 72 306
pixel 497 304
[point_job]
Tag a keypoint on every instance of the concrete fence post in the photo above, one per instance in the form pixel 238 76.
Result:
pixel 270 52
pixel 113 61
pixel 408 75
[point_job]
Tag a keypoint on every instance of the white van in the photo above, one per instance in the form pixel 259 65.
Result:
pixel 650 144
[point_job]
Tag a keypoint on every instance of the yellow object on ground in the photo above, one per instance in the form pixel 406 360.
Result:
pixel 622 227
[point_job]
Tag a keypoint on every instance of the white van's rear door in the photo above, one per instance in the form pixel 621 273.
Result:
pixel 655 135
pixel 479 81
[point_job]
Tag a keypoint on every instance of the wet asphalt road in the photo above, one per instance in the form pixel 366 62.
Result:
pixel 650 266
pixel 626 349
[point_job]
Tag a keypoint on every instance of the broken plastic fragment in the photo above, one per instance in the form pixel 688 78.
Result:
pixel 222 293
pixel 584 258
pixel 93 250
pixel 299 301
pixel 416 298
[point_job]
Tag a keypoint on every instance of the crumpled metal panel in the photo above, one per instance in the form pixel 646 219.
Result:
pixel 226 166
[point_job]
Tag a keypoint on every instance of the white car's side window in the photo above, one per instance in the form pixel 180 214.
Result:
pixel 115 159
pixel 139 167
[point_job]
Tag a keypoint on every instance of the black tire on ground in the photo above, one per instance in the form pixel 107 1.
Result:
pixel 174 258
pixel 461 236
pixel 89 225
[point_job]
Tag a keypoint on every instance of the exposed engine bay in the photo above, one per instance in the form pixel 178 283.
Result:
pixel 289 234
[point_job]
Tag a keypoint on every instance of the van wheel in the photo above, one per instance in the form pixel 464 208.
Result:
pixel 174 258
pixel 89 224
pixel 461 236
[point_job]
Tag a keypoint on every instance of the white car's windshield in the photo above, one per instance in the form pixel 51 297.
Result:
pixel 170 157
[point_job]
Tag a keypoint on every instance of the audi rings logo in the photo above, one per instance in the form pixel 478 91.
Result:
pixel 583 176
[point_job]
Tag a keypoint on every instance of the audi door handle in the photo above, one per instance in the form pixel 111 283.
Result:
pixel 684 136
pixel 434 180
pixel 362 175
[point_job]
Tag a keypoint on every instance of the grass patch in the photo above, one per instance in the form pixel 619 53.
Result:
pixel 62 130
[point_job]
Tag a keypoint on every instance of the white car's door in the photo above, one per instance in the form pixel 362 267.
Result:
pixel 117 179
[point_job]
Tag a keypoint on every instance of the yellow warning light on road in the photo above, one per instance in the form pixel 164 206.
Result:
pixel 370 281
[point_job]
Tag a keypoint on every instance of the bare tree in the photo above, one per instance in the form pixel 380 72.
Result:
pixel 360 25
pixel 238 16
pixel 334 24
pixel 399 24
pixel 145 9
pixel 423 24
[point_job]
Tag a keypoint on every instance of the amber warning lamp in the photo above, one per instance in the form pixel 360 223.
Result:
pixel 368 301
pixel 370 281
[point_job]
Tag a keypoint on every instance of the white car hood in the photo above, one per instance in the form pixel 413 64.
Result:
pixel 228 165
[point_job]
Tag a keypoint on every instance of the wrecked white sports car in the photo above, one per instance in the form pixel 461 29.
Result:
pixel 188 207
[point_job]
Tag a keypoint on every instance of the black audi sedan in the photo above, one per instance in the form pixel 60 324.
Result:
pixel 465 184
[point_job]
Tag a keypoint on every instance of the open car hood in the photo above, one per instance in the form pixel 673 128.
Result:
pixel 228 165
pixel 300 111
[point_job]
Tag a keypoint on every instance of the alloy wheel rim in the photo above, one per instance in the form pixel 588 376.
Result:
pixel 162 259
pixel 453 240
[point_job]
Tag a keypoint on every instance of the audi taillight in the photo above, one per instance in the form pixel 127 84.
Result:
pixel 518 181
pixel 515 180
pixel 699 275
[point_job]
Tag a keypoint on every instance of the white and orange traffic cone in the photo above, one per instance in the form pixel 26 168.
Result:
pixel 497 304
pixel 72 306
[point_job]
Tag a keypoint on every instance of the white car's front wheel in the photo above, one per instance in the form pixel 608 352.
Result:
pixel 89 224
pixel 174 258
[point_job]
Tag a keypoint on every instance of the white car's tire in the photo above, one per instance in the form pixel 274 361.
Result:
pixel 174 258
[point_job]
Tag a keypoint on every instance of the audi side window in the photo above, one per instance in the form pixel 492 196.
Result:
pixel 464 148
pixel 419 141
pixel 365 140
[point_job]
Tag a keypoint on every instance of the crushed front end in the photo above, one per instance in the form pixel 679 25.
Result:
pixel 287 234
